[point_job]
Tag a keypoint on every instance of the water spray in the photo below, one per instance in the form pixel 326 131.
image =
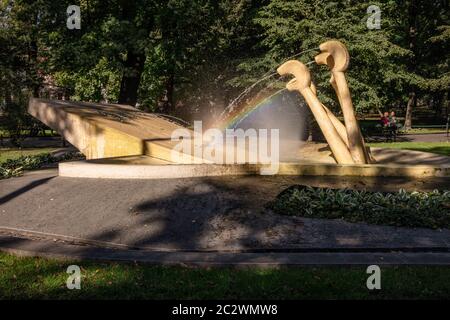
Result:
pixel 264 77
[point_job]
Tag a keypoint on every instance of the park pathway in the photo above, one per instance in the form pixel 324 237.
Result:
pixel 431 137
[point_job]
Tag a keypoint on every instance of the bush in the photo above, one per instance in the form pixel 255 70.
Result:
pixel 407 209
pixel 15 167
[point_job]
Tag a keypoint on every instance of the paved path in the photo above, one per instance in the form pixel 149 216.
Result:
pixel 54 250
pixel 224 214
pixel 433 137
pixel 425 137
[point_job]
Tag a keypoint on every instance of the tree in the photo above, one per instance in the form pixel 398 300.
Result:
pixel 192 57
pixel 389 67
pixel 115 35
pixel 422 24
pixel 293 26
pixel 189 72
pixel 21 75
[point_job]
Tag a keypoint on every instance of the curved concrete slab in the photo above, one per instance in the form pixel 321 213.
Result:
pixel 108 130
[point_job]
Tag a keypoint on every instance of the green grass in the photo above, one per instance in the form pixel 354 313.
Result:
pixel 15 153
pixel 15 167
pixel 23 278
pixel 442 148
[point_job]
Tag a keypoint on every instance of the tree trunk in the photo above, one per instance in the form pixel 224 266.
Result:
pixel 134 63
pixel 8 96
pixel 447 104
pixel 33 60
pixel 169 106
pixel 412 15
pixel 131 78
pixel 409 110
pixel 33 53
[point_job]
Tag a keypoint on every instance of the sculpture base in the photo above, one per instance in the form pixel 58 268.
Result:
pixel 391 163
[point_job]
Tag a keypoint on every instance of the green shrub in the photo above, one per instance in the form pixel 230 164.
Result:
pixel 15 167
pixel 408 209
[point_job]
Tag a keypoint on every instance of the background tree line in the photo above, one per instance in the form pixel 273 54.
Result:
pixel 192 57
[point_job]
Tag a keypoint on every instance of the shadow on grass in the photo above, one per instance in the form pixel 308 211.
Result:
pixel 443 150
pixel 34 278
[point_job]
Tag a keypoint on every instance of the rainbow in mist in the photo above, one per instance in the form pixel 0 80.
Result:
pixel 244 110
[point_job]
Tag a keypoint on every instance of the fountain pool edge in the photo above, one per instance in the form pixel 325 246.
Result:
pixel 108 169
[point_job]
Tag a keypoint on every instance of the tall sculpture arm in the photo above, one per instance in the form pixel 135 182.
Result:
pixel 302 83
pixel 335 55
pixel 340 128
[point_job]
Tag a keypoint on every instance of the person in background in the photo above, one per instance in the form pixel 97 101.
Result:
pixel 392 123
pixel 385 129
pixel 384 119
pixel 392 120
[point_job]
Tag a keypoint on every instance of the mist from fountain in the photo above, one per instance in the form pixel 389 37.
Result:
pixel 271 107
pixel 231 106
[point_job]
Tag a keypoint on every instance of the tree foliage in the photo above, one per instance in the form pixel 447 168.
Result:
pixel 192 57
pixel 380 72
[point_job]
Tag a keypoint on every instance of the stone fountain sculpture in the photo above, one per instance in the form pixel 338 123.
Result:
pixel 122 142
pixel 105 131
pixel 346 141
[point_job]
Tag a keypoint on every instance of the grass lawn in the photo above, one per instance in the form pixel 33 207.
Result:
pixel 433 147
pixel 14 153
pixel 44 279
